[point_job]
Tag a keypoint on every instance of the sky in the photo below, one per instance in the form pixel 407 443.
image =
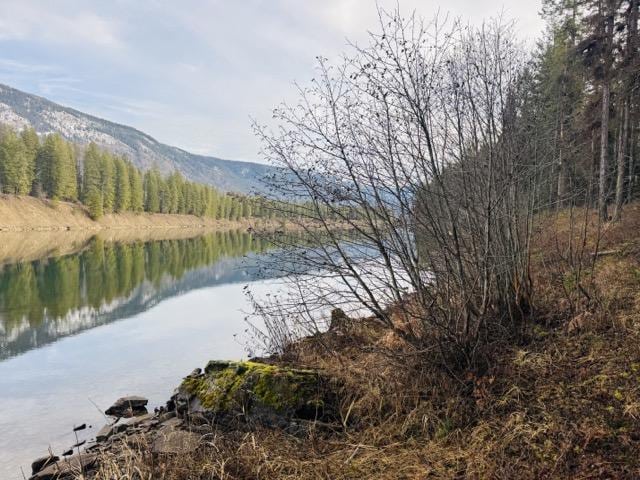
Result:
pixel 193 73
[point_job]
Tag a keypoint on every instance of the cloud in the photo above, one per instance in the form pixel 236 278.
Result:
pixel 52 22
pixel 27 68
pixel 192 73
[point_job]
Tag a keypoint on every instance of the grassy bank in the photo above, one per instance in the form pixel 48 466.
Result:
pixel 562 402
pixel 24 213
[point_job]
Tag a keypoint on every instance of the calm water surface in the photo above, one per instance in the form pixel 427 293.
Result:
pixel 114 319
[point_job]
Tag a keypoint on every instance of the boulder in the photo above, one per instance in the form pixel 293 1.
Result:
pixel 104 433
pixel 42 462
pixel 268 394
pixel 68 468
pixel 142 419
pixel 174 441
pixel 172 422
pixel 128 407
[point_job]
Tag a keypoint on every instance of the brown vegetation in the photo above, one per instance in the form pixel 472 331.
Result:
pixel 502 340
pixel 564 402
pixel 23 213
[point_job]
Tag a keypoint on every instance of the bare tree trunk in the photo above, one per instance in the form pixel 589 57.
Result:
pixel 563 173
pixel 562 161
pixel 594 169
pixel 621 162
pixel 632 53
pixel 632 177
pixel 604 153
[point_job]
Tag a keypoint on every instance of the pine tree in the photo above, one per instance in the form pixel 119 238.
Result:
pixel 187 198
pixel 69 181
pixel 180 185
pixel 92 181
pixel 108 184
pixel 137 190
pixel 44 167
pixel 246 208
pixel 152 191
pixel 123 186
pixel 94 203
pixel 173 192
pixel 32 145
pixel 14 177
pixel 163 194
pixel 56 169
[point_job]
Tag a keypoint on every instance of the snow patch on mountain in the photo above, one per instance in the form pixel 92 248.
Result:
pixel 9 117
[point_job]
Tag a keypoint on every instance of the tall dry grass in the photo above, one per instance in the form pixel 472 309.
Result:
pixel 564 402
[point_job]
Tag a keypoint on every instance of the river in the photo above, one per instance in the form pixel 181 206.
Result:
pixel 113 318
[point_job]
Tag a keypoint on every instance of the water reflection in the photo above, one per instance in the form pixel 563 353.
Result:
pixel 44 300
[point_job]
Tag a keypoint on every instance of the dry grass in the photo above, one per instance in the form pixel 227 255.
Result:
pixel 24 213
pixel 565 403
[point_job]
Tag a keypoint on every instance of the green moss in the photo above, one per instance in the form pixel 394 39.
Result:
pixel 228 386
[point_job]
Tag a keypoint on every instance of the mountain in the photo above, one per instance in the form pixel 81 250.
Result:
pixel 20 109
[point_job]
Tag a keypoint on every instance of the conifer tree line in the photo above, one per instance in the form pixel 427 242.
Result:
pixel 585 86
pixel 50 167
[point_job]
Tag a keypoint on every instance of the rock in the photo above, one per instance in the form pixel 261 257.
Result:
pixel 80 427
pixel 173 422
pixel 127 407
pixel 111 430
pixel 166 416
pixel 116 438
pixel 68 468
pixel 268 394
pixel 40 463
pixel 91 445
pixel 339 320
pixel 136 441
pixel 172 441
pixel 104 433
pixel 135 421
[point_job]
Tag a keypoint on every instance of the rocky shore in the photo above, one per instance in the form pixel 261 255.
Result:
pixel 225 396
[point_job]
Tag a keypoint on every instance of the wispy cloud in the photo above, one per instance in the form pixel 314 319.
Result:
pixel 51 22
pixel 22 67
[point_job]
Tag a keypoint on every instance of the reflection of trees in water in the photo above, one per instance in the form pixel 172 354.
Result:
pixel 106 271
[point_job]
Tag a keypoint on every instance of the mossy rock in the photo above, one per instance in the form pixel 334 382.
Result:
pixel 259 391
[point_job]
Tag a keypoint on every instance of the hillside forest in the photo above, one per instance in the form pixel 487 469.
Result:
pixel 53 168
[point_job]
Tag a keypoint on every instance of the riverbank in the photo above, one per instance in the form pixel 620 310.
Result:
pixel 562 402
pixel 29 214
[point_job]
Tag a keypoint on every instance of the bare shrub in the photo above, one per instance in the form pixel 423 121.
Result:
pixel 418 145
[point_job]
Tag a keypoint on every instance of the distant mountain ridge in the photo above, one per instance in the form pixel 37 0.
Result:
pixel 20 109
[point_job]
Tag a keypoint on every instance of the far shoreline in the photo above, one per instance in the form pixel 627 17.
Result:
pixel 29 214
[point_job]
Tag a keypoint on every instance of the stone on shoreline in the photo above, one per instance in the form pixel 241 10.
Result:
pixel 104 433
pixel 128 407
pixel 40 463
pixel 174 441
pixel 257 392
pixel 68 468
pixel 225 394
